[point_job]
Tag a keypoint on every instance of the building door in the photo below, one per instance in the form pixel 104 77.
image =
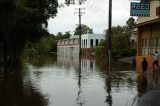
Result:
pixel 91 43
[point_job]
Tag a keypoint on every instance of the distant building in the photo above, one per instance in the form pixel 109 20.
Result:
pixel 90 41
pixel 71 45
pixel 68 46
pixel 148 34
pixel 133 38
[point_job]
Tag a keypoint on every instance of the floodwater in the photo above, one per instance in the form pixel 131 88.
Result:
pixel 60 81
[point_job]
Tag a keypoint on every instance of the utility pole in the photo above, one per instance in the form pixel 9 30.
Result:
pixel 80 26
pixel 109 35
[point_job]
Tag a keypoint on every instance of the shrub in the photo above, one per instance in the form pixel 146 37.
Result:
pixel 133 52
pixel 99 50
pixel 125 52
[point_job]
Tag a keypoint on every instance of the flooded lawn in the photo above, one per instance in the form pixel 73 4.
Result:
pixel 60 81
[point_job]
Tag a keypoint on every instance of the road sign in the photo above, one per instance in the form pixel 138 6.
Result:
pixel 140 9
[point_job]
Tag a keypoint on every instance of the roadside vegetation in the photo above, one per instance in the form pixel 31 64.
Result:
pixel 121 43
pixel 45 45
pixel 23 23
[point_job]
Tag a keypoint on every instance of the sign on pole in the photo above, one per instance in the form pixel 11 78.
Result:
pixel 140 9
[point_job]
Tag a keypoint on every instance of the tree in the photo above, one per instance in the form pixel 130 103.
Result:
pixel 22 21
pixel 121 38
pixel 130 23
pixel 59 35
pixel 66 35
pixel 84 30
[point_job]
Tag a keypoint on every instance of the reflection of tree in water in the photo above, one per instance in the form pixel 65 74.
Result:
pixel 40 61
pixel 108 90
pixel 12 92
pixel 102 64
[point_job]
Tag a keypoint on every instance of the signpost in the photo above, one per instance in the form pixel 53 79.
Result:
pixel 140 9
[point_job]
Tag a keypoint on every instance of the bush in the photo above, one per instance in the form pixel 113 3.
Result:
pixel 133 52
pixel 124 53
pixel 99 50
pixel 114 52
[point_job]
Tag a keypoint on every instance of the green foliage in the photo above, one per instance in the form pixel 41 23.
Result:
pixel 23 21
pixel 124 53
pixel 99 50
pixel 45 45
pixel 121 45
pixel 133 52
pixel 84 30
pixel 130 23
pixel 60 35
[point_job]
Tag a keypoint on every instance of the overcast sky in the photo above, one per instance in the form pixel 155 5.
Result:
pixel 95 16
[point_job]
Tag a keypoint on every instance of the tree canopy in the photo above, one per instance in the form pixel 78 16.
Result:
pixel 120 39
pixel 22 21
pixel 84 30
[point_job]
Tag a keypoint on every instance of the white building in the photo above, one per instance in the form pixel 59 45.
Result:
pixel 71 45
pixel 90 41
pixel 68 46
pixel 133 36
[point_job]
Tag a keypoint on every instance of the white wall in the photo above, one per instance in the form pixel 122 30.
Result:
pixel 92 36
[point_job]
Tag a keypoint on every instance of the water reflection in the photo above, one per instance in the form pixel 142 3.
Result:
pixel 108 90
pixel 14 91
pixel 79 97
pixel 66 81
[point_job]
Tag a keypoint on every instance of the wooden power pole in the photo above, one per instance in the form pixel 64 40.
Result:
pixel 109 35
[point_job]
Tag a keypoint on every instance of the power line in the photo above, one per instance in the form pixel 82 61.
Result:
pixel 94 9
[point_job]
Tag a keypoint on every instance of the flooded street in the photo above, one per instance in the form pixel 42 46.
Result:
pixel 59 81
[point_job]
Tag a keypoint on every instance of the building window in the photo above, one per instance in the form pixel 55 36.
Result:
pixel 86 43
pixel 143 42
pixel 91 43
pixel 153 42
pixel 96 42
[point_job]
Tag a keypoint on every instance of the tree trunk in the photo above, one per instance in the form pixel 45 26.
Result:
pixel 5 54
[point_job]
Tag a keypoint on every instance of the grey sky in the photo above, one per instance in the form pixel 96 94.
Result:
pixel 96 16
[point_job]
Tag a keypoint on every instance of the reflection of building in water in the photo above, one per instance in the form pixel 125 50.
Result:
pixel 68 60
pixel 146 83
pixel 71 45
pixel 87 63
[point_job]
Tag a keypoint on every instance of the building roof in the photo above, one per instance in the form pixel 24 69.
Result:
pixel 148 22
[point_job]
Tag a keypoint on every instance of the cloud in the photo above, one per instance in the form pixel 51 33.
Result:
pixel 96 16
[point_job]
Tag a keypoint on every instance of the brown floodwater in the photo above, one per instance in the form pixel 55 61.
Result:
pixel 59 80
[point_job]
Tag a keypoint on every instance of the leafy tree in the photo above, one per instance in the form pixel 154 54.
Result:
pixel 59 35
pixel 130 23
pixel 22 21
pixel 66 35
pixel 121 39
pixel 84 30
